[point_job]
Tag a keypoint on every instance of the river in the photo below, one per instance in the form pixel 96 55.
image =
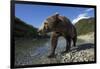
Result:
pixel 30 51
pixel 33 51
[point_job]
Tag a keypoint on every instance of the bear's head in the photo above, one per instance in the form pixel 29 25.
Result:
pixel 49 24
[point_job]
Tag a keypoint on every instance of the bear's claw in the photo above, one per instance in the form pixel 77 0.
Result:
pixel 51 56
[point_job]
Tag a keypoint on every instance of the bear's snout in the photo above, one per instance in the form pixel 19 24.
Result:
pixel 39 32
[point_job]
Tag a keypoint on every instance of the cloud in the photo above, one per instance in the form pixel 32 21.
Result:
pixel 82 15
pixel 90 9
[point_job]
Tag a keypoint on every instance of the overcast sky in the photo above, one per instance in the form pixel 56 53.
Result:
pixel 36 14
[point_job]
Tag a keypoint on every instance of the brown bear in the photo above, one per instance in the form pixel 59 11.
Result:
pixel 59 26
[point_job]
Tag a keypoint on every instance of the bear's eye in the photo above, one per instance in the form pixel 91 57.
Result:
pixel 45 23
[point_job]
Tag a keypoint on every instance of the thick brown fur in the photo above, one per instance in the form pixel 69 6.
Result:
pixel 59 26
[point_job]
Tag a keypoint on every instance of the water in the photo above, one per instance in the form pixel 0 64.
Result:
pixel 32 51
pixel 29 51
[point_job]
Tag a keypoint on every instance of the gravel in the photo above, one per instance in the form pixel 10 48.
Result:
pixel 83 52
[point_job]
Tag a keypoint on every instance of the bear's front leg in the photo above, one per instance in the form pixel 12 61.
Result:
pixel 54 40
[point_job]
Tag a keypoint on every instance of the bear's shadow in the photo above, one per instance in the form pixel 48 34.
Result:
pixel 78 48
pixel 83 47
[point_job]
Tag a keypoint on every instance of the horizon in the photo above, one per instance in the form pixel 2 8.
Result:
pixel 36 14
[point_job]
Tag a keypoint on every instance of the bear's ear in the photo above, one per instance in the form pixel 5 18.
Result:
pixel 56 14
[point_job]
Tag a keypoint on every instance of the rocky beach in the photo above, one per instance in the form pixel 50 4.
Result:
pixel 36 51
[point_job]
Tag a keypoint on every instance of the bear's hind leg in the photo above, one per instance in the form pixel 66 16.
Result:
pixel 68 41
pixel 68 45
pixel 74 41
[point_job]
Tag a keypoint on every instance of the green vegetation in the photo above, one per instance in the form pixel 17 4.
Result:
pixel 84 26
pixel 22 29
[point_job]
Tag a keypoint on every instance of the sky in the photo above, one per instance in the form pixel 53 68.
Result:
pixel 36 14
